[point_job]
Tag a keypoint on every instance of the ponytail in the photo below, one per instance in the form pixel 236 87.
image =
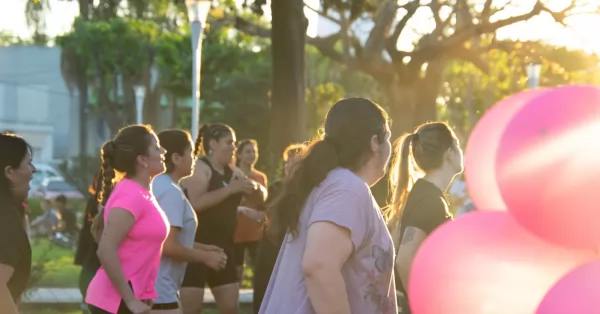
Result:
pixel 402 175
pixel 108 176
pixel 284 213
pixel 199 145
pixel 208 132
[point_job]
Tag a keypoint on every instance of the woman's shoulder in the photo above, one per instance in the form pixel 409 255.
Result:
pixel 259 176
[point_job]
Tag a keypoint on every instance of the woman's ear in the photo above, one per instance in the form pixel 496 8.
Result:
pixel 375 144
pixel 8 171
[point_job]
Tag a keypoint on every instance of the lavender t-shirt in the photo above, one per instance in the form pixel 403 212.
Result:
pixel 344 199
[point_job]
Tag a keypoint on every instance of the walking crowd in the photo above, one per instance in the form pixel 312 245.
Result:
pixel 171 217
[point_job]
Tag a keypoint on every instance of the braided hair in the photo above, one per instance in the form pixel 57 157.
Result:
pixel 208 132
pixel 119 156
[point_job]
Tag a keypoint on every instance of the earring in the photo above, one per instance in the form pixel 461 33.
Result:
pixel 145 165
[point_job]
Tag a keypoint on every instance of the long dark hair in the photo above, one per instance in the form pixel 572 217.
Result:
pixel 14 149
pixel 174 142
pixel 349 128
pixel 423 150
pixel 208 132
pixel 120 155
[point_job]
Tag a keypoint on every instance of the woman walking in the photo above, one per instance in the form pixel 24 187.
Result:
pixel 329 197
pixel 419 204
pixel 15 250
pixel 179 247
pixel 130 228
pixel 250 216
pixel 85 255
pixel 268 247
pixel 215 192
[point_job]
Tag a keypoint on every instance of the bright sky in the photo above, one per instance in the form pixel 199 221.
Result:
pixel 581 33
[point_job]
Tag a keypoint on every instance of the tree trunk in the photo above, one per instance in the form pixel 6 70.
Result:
pixel 174 111
pixel 152 109
pixel 288 110
pixel 412 104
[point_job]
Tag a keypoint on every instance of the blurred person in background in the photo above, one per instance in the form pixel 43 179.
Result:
pixel 419 204
pixel 68 224
pixel 268 248
pixel 15 249
pixel 215 191
pixel 46 223
pixel 85 254
pixel 250 216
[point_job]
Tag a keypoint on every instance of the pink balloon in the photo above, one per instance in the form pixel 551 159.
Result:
pixel 480 156
pixel 548 167
pixel 485 262
pixel 576 293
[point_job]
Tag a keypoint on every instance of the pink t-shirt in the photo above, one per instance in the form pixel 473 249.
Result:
pixel 139 253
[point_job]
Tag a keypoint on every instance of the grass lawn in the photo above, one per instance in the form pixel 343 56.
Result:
pixel 59 270
pixel 53 265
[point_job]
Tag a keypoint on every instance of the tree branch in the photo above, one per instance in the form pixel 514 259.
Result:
pixel 383 23
pixel 395 54
pixel 485 27
pixel 322 14
pixel 251 28
pixel 435 7
pixel 486 13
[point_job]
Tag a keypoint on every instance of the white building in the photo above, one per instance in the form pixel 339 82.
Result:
pixel 35 103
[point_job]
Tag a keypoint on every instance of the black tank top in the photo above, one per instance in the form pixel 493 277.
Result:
pixel 216 225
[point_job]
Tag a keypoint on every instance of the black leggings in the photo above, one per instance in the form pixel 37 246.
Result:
pixel 122 309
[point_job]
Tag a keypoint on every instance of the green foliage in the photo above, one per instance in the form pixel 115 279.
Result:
pixel 468 92
pixel 115 46
pixel 319 99
pixel 38 268
pixel 54 265
pixel 236 79
pixel 174 62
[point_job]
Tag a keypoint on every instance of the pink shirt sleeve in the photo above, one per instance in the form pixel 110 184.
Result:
pixel 130 201
pixel 345 209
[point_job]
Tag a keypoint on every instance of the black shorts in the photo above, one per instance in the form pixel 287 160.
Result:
pixel 240 252
pixel 165 306
pixel 199 276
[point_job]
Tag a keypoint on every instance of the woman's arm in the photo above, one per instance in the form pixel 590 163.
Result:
pixel 197 187
pixel 207 247
pixel 411 241
pixel 322 265
pixel 117 226
pixel 172 248
pixel 7 304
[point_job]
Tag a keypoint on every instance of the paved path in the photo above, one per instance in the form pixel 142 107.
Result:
pixel 73 296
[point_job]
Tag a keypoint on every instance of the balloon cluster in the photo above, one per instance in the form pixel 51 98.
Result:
pixel 533 172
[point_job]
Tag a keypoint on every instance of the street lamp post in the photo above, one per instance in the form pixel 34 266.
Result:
pixel 197 13
pixel 140 94
pixel 534 71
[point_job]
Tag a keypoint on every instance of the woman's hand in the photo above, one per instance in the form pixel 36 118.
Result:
pixel 251 213
pixel 214 260
pixel 138 307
